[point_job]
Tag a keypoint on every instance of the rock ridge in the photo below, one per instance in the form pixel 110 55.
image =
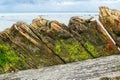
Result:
pixel 46 43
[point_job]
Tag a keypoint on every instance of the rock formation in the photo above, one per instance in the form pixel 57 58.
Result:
pixel 111 20
pixel 46 43
pixel 91 69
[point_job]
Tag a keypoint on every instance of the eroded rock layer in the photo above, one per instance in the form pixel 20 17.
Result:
pixel 110 18
pixel 45 43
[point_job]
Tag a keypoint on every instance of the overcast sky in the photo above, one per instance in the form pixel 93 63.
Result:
pixel 56 5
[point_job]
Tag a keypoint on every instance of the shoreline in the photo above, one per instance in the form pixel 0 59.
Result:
pixel 46 13
pixel 7 19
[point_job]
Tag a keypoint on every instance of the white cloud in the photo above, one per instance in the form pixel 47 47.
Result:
pixel 55 5
pixel 68 3
pixel 111 1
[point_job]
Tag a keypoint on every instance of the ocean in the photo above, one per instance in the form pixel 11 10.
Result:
pixel 8 19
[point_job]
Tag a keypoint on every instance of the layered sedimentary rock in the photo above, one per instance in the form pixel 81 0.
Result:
pixel 110 78
pixel 91 34
pixel 45 43
pixel 111 20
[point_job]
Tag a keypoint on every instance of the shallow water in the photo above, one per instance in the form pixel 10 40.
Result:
pixel 7 19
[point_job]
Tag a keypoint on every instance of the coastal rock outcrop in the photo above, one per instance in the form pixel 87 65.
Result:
pixel 46 43
pixel 110 18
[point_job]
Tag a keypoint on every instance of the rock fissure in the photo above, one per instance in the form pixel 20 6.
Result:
pixel 46 43
pixel 49 48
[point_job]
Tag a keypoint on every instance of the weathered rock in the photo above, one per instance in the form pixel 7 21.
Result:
pixel 92 37
pixel 111 20
pixel 45 43
pixel 57 38
pixel 110 78
pixel 29 46
pixel 92 69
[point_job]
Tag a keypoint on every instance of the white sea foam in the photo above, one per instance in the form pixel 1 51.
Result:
pixel 7 19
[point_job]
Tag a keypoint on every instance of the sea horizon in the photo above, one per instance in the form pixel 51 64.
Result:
pixel 8 19
pixel 9 13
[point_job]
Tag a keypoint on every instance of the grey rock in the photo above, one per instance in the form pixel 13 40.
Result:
pixel 91 69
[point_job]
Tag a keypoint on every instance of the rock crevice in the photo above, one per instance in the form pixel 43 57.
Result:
pixel 46 43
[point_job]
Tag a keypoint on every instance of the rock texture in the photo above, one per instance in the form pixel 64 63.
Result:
pixel 111 20
pixel 46 43
pixel 92 69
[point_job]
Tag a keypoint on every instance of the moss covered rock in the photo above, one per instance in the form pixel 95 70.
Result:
pixel 45 43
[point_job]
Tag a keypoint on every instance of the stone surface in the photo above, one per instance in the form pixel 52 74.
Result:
pixel 111 20
pixel 46 43
pixel 91 69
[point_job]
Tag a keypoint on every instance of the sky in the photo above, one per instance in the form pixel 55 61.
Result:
pixel 12 6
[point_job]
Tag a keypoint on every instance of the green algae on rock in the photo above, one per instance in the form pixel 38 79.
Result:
pixel 9 61
pixel 46 43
